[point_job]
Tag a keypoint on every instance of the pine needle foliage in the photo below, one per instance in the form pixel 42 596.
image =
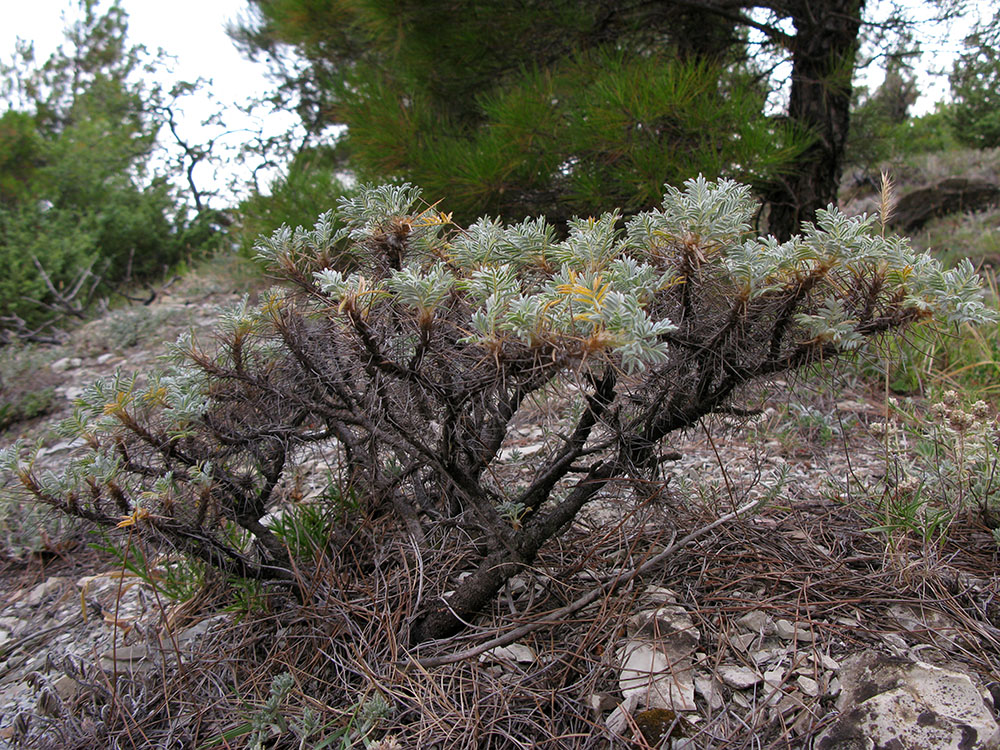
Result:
pixel 596 128
pixel 558 108
pixel 413 367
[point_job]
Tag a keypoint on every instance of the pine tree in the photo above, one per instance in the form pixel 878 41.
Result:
pixel 975 82
pixel 468 98
pixel 557 108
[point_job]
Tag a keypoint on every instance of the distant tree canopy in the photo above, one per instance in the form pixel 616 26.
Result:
pixel 76 187
pixel 564 107
pixel 975 87
pixel 881 125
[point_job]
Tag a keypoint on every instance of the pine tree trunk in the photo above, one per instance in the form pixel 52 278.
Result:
pixel 823 52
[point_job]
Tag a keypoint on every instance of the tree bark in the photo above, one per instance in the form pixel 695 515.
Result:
pixel 823 51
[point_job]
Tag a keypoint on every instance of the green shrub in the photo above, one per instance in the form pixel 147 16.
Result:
pixel 27 385
pixel 941 464
pixel 61 240
pixel 77 188
pixel 975 236
pixel 413 368
pixel 874 140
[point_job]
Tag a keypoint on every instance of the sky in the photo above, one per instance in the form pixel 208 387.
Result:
pixel 193 31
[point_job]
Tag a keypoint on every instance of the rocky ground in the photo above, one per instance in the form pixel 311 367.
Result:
pixel 792 625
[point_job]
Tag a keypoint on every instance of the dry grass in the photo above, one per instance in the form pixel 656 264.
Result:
pixel 351 670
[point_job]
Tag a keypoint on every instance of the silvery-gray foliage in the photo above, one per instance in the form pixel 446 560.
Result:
pixel 414 355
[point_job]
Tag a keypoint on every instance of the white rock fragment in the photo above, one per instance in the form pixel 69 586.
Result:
pixel 59 447
pixel 808 686
pixel 710 690
pixel 126 659
pixel 784 704
pixel 516 652
pixel 834 687
pixel 767 655
pixel 656 664
pixel 661 594
pixel 66 687
pixel 12 624
pixel 648 674
pixel 757 621
pixel 66 363
pixel 667 621
pixel 926 623
pixel 774 680
pixel 739 678
pixel 826 662
pixel 519 451
pixel 789 632
pixel 71 392
pixel 619 720
pixel 784 630
pixel 43 590
pixel 743 641
pixel 601 702
pixel 741 700
pixel 896 642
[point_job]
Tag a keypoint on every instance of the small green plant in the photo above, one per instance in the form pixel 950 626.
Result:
pixel 27 384
pixel 812 426
pixel 130 326
pixel 941 464
pixel 174 576
pixel 306 527
pixel 274 719
pixel 265 723
pixel 246 597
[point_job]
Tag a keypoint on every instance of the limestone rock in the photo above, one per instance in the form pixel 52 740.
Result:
pixel 670 621
pixel 661 594
pixel 515 652
pixel 710 690
pixel 126 659
pixel 658 681
pixel 44 590
pixel 656 664
pixel 739 678
pixel 66 363
pixel 807 685
pixel 757 621
pixel 891 702
pixel 789 631
pixel 619 719
pixel 927 624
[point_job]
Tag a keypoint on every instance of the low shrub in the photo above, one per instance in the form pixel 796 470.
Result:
pixel 412 370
